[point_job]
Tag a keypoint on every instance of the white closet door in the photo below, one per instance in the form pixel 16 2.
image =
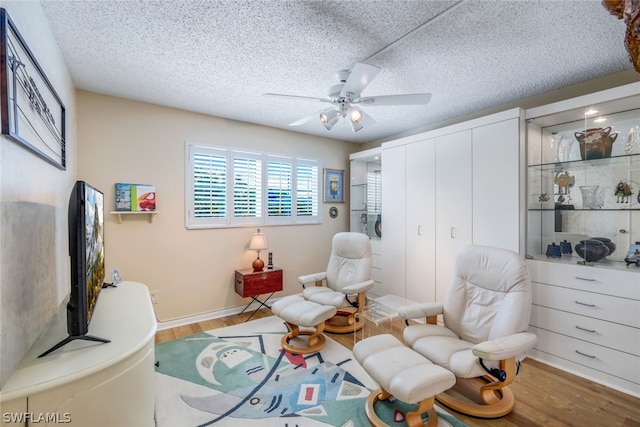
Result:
pixel 421 221
pixel 453 203
pixel 393 223
pixel 496 185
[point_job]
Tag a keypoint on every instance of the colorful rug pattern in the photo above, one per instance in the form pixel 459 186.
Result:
pixel 239 376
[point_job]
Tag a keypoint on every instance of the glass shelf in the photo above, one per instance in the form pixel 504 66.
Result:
pixel 633 159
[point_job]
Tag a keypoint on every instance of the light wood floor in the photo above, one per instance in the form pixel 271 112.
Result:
pixel 545 396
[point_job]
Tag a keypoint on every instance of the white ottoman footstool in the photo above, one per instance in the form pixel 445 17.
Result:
pixel 404 374
pixel 297 311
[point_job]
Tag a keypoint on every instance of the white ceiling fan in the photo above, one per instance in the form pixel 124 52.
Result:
pixel 346 99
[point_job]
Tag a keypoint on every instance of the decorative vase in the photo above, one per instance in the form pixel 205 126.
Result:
pixel 596 143
pixel 591 197
pixel 564 149
pixel 378 226
pixel 591 250
pixel 633 141
pixel 608 243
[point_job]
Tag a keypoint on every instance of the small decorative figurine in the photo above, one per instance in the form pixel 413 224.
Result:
pixel 553 251
pixel 633 256
pixel 565 247
pixel 565 182
pixel 544 197
pixel 623 192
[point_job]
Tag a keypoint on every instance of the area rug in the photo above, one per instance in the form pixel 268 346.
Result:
pixel 239 376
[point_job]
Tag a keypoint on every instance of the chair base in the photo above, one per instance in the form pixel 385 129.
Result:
pixel 344 322
pixel 316 341
pixel 499 401
pixel 414 418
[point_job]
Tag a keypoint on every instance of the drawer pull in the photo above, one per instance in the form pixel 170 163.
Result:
pixel 590 356
pixel 585 278
pixel 585 329
pixel 585 304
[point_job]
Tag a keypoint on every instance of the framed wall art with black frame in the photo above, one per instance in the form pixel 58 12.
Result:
pixel 333 186
pixel 32 113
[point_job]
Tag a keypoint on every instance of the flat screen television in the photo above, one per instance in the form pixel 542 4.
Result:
pixel 86 250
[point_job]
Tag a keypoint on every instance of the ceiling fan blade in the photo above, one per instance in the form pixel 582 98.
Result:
pixel 296 97
pixel 408 99
pixel 360 77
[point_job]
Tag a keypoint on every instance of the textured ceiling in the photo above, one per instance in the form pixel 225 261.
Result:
pixel 219 57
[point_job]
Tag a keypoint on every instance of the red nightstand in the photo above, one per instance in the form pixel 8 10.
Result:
pixel 252 284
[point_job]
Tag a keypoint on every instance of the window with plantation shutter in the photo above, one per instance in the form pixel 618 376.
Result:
pixel 247 186
pixel 209 185
pixel 279 188
pixel 307 189
pixel 233 188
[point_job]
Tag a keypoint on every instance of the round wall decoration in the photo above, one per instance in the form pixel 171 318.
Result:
pixel 333 212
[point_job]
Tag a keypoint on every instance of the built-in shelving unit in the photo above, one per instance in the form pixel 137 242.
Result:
pixel 365 208
pixel 585 313
pixel 150 214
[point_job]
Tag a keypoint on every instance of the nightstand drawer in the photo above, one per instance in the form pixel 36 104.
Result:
pixel 249 283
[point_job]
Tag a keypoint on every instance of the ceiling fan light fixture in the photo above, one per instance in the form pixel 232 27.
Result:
pixel 329 118
pixel 356 126
pixel 355 115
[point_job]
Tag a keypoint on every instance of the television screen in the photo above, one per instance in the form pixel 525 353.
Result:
pixel 94 234
pixel 86 252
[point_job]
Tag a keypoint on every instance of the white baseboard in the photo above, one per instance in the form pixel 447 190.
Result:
pixel 203 317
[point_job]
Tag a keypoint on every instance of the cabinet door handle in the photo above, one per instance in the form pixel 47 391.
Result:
pixel 585 278
pixel 590 356
pixel 453 232
pixel 585 304
pixel 419 230
pixel 585 329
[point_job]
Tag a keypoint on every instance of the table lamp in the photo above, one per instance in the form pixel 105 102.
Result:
pixel 258 243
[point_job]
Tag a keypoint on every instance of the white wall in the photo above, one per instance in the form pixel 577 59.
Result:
pixel 30 290
pixel 192 270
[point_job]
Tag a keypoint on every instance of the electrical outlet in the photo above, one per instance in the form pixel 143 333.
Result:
pixel 154 297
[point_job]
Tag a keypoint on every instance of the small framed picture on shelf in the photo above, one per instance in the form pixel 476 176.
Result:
pixel 333 186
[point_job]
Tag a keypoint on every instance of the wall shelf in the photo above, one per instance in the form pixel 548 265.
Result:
pixel 125 213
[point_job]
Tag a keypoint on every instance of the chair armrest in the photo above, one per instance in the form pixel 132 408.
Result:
pixel 505 347
pixel 356 288
pixel 312 278
pixel 426 309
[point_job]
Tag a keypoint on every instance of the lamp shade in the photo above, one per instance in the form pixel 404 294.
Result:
pixel 258 242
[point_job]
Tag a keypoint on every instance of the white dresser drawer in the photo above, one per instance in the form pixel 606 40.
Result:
pixel 622 283
pixel 612 362
pixel 608 334
pixel 613 309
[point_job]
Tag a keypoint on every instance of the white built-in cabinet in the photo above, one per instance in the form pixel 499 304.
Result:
pixel 420 227
pixel 454 204
pixel 444 189
pixel 586 314
pixel 366 204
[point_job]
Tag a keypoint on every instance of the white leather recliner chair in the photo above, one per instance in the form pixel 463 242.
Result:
pixel 345 282
pixel 484 332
